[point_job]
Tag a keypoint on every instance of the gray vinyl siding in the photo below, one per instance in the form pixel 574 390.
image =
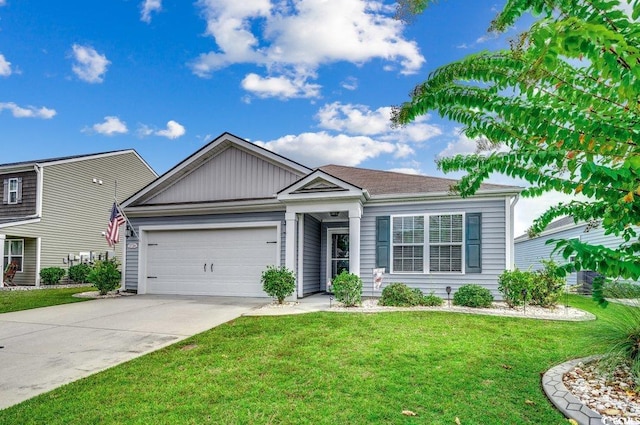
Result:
pixel 312 253
pixel 232 174
pixel 529 252
pixel 75 211
pixel 493 246
pixel 131 269
pixel 323 249
pixel 28 205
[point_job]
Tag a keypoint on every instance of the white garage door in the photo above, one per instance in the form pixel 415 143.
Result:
pixel 225 262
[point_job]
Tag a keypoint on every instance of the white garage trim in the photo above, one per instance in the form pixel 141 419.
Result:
pixel 144 230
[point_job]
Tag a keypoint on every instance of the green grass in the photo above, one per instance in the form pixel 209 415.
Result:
pixel 25 300
pixel 333 368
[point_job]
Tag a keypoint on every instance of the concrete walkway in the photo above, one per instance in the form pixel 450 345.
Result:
pixel 48 347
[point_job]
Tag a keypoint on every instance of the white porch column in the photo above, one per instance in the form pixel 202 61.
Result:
pixel 354 239
pixel 300 273
pixel 2 238
pixel 38 254
pixel 290 249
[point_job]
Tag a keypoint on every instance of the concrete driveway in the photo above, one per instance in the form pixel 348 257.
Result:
pixel 47 347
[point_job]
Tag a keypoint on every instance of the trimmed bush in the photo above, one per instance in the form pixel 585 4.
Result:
pixel 51 275
pixel 548 286
pixel 105 276
pixel 347 288
pixel 431 300
pixel 278 282
pixel 79 273
pixel 472 295
pixel 400 295
pixel 511 283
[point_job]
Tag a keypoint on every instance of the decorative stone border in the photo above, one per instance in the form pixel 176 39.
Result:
pixel 564 401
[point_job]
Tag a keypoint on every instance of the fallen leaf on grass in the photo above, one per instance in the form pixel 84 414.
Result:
pixel 506 366
pixel 573 422
pixel 457 420
pixel 529 402
pixel 408 413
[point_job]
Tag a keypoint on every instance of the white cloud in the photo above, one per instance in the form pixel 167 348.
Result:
pixel 406 170
pixel 361 120
pixel 315 149
pixel 173 130
pixel 462 145
pixel 147 7
pixel 528 209
pixel 144 131
pixel 296 38
pixel 90 65
pixel 281 87
pixel 111 126
pixel 5 66
pixel 28 112
pixel 350 83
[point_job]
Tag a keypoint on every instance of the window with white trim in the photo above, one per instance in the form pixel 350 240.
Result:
pixel 446 233
pixel 408 244
pixel 13 191
pixel 13 252
pixel 437 240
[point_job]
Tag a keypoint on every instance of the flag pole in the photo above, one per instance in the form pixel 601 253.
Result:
pixel 133 229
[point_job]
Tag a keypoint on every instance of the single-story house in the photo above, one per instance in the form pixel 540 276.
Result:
pixel 54 210
pixel 530 251
pixel 215 221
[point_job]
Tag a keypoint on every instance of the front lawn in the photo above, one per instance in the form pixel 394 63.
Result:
pixel 333 368
pixel 25 300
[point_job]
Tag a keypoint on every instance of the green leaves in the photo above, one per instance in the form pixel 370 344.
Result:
pixel 564 101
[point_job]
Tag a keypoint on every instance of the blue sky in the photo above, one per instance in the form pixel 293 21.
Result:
pixel 308 79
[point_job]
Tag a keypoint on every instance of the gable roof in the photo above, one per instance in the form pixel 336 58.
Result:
pixel 205 154
pixel 72 158
pixel 563 223
pixel 378 182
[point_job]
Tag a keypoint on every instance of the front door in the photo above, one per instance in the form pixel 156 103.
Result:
pixel 338 255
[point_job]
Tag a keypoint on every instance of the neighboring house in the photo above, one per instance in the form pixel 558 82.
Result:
pixel 214 222
pixel 530 251
pixel 55 210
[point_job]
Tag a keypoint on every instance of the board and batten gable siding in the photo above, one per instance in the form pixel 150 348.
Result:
pixel 131 271
pixel 529 252
pixel 231 174
pixel 27 206
pixel 311 257
pixel 75 211
pixel 493 249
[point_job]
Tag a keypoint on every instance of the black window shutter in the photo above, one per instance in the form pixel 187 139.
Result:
pixel 19 194
pixel 474 243
pixel 383 242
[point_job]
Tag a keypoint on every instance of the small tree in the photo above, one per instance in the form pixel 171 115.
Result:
pixel 105 276
pixel 278 282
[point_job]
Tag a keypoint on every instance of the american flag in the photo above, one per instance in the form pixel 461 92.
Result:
pixel 113 230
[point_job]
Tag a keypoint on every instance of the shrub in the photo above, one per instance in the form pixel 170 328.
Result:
pixel 548 286
pixel 472 295
pixel 278 282
pixel 512 283
pixel 105 276
pixel 620 332
pixel 400 295
pixel 51 275
pixel 615 289
pixel 431 300
pixel 347 288
pixel 79 272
